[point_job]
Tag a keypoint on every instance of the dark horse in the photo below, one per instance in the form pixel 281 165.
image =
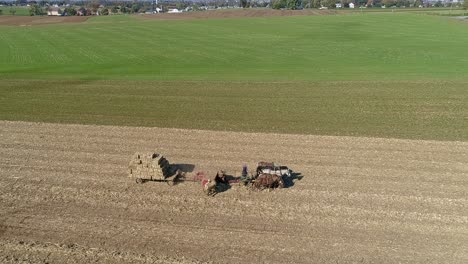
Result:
pixel 264 181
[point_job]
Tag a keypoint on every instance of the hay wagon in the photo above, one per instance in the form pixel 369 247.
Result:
pixel 153 167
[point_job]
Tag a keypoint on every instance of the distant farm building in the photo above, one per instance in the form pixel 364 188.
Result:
pixel 351 5
pixel 155 11
pixel 175 10
pixel 54 11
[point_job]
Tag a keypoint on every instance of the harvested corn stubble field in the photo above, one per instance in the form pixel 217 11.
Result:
pixel 65 198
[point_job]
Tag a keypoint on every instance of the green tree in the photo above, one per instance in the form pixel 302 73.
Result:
pixel 465 4
pixel 418 3
pixel 135 7
pixel 293 4
pixel 124 10
pixel 1 12
pixel 438 4
pixel 316 4
pixel 36 10
pixel 345 3
pixel 278 4
pixel 94 5
pixel 82 11
pixel 406 3
pixel 115 10
pixel 244 3
pixel 70 11
pixel 388 3
pixel 12 11
pixel 328 3
pixel 181 6
pixel 104 11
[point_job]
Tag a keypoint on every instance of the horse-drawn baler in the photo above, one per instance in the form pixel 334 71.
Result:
pixel 155 167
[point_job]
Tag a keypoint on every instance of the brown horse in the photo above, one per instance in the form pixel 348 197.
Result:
pixel 264 181
pixel 209 187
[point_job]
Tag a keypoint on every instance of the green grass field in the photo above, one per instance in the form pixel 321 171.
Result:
pixel 19 10
pixel 403 109
pixel 347 47
pixel 384 75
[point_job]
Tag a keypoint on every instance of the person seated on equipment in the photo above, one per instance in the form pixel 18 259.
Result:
pixel 221 178
pixel 244 170
pixel 245 179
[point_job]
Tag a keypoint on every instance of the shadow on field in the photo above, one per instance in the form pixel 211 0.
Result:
pixel 290 181
pixel 222 187
pixel 185 167
pixel 224 184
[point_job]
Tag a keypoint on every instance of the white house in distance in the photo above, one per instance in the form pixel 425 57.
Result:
pixel 174 11
pixel 351 5
pixel 54 11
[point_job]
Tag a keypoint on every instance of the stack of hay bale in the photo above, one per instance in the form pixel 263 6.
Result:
pixel 149 166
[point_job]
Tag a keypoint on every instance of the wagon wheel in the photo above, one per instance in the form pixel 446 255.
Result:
pixel 170 182
pixel 139 180
pixel 254 188
pixel 212 192
pixel 281 185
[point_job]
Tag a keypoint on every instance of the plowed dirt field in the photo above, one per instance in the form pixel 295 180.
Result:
pixel 238 14
pixel 39 20
pixel 65 198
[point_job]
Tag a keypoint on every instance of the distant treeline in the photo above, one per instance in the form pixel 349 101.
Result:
pixel 212 4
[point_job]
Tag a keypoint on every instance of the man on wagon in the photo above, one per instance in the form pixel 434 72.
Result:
pixel 221 178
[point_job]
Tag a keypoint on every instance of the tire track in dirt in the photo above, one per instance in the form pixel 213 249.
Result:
pixel 360 200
